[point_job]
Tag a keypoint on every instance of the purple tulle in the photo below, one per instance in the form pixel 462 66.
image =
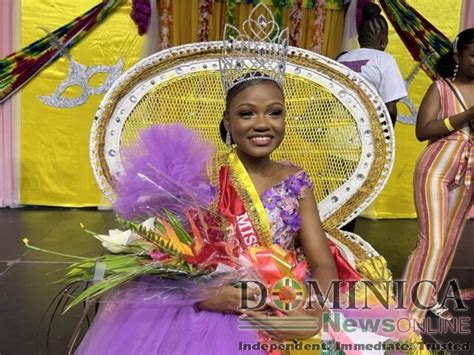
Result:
pixel 165 291
pixel 132 325
pixel 164 169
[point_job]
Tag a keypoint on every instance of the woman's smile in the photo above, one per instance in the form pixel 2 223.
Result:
pixel 256 119
pixel 261 140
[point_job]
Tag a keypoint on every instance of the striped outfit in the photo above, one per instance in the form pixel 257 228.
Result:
pixel 443 197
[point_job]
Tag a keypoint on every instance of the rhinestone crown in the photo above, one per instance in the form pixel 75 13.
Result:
pixel 259 50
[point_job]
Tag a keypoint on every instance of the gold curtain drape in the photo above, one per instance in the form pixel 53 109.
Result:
pixel 185 26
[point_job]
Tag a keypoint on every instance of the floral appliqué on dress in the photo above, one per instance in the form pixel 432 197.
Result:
pixel 281 203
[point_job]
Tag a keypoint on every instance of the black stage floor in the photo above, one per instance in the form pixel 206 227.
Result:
pixel 26 276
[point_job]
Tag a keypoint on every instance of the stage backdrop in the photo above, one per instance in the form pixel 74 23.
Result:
pixel 54 141
pixel 55 167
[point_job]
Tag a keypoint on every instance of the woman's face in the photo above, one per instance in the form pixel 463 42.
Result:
pixel 466 61
pixel 255 119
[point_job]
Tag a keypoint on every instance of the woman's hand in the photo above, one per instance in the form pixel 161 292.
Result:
pixel 309 321
pixel 228 300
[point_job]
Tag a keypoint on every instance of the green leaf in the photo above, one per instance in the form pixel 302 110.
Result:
pixel 182 234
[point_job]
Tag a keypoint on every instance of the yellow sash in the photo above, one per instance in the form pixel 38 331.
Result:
pixel 252 202
pixel 254 207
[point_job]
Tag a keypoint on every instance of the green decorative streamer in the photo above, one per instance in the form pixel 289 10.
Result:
pixel 230 16
pixel 18 68
pixel 279 6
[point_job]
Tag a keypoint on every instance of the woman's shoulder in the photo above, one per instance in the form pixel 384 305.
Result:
pixel 288 168
pixel 438 87
pixel 295 175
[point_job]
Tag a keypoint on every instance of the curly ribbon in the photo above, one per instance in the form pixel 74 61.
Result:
pixel 318 26
pixel 295 23
pixel 275 263
pixel 205 11
pixel 165 23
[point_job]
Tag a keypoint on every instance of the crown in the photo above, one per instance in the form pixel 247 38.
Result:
pixel 259 50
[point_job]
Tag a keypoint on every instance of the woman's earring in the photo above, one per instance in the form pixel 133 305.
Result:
pixel 228 140
pixel 456 69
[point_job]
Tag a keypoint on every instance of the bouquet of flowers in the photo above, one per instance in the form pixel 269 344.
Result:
pixel 168 230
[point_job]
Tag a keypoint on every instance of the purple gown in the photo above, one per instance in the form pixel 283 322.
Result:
pixel 148 328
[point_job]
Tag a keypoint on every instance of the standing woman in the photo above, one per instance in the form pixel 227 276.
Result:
pixel 443 179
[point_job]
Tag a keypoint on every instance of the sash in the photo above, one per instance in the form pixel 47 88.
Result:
pixel 249 227
pixel 240 203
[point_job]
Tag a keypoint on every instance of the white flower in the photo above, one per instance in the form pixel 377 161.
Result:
pixel 149 223
pixel 118 241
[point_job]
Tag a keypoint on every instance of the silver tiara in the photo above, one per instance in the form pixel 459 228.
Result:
pixel 259 50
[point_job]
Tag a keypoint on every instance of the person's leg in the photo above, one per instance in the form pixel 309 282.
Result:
pixel 460 201
pixel 435 171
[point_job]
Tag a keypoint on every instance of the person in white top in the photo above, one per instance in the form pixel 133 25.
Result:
pixel 378 67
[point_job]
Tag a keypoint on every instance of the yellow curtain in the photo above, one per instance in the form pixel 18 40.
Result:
pixel 54 142
pixel 185 27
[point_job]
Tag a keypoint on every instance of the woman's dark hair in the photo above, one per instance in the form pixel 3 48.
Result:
pixel 257 78
pixel 446 64
pixel 372 24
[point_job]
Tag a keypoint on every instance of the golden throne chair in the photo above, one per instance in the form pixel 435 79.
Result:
pixel 337 127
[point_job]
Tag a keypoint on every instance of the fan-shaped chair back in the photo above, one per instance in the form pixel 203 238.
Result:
pixel 337 127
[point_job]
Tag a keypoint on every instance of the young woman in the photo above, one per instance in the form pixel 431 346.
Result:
pixel 254 121
pixel 443 179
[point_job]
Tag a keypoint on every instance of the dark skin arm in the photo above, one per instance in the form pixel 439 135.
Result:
pixel 314 243
pixel 392 110
pixel 428 126
pixel 227 300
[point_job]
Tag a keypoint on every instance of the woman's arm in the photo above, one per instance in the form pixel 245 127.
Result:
pixel 392 110
pixel 427 124
pixel 315 245
pixel 228 300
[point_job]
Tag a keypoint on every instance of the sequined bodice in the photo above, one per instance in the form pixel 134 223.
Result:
pixel 281 203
